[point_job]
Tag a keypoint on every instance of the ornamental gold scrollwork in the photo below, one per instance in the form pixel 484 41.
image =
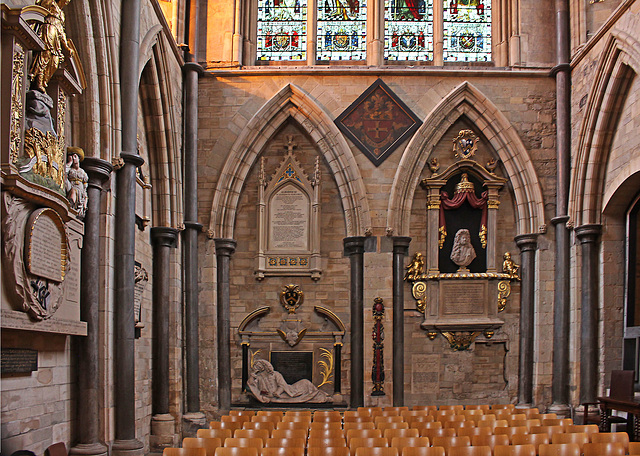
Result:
pixel 419 292
pixel 504 290
pixel 16 104
pixel 326 367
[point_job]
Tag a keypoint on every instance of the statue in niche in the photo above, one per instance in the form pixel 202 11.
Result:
pixel 47 61
pixel 76 180
pixel 463 252
pixel 268 385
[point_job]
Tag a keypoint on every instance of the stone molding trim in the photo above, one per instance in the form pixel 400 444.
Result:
pixel 290 101
pixel 467 100
pixel 619 64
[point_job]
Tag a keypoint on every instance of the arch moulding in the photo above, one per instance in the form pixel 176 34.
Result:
pixel 289 102
pixel 467 100
pixel 619 64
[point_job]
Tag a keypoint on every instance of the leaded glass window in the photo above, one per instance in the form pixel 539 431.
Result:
pixel 408 29
pixel 467 30
pixel 282 29
pixel 342 30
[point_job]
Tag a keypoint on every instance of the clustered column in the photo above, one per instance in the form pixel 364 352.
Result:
pixel 88 376
pixel 589 236
pixel 354 249
pixel 400 250
pixel 527 243
pixel 224 249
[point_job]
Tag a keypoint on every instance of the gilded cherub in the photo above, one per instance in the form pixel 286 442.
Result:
pixel 416 268
pixel 509 267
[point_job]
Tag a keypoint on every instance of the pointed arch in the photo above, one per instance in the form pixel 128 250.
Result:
pixel 467 100
pixel 290 102
pixel 619 64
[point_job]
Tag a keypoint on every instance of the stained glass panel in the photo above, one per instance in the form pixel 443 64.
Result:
pixel 408 29
pixel 282 29
pixel 342 30
pixel 467 30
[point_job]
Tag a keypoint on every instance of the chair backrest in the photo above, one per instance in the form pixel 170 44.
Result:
pixel 514 450
pixel 425 407
pixel 396 425
pixel 184 452
pixel 448 442
pixel 396 409
pixel 388 419
pixel 583 428
pixel 549 430
pixel 254 442
pixel 490 440
pixel 285 442
pixel 229 425
pixel 402 442
pixel 209 444
pixel 359 425
pixel 269 413
pixel 377 451
pixel 236 451
pixel 235 418
pixel 470 451
pixel 289 434
pixel 362 433
pixel 579 438
pixel 57 449
pixel 423 451
pixel 215 433
pixel 326 425
pixel 358 419
pixel 511 430
pixel 366 442
pixel 460 424
pixel 471 431
pixel 392 433
pixel 603 449
pixel 634 448
pixel 252 433
pixel 606 437
pixel 328 451
pixel 530 439
pixel 248 413
pixel 273 418
pixel 433 433
pixel 268 426
pixel 282 451
pixel 327 442
pixel 622 385
pixel 452 407
pixel 559 449
pixel 425 424
pixel 303 420
pixel 326 434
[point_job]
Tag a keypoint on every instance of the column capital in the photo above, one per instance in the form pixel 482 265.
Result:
pixel 588 233
pixel 193 225
pixel 353 245
pixel 193 66
pixel 133 159
pixel 401 244
pixel 526 242
pixel 164 236
pixel 225 246
pixel 560 219
pixel 98 170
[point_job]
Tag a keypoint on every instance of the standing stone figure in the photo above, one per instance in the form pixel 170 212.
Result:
pixel 268 385
pixel 52 33
pixel 76 180
pixel 463 252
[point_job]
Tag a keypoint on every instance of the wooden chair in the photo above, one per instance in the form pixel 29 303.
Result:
pixel 388 419
pixel 288 451
pixel 503 407
pixel 403 442
pixel 275 442
pixel 449 418
pixel 579 438
pixel 358 418
pixel 298 413
pixel 432 433
pixel 423 451
pixel 511 430
pixel 470 451
pixel 516 416
pixel 425 425
pixel 230 425
pixel 377 451
pixel 471 431
pixel 428 408
pixel 559 449
pixel 326 434
pixel 396 409
pixel 328 451
pixel 214 434
pixel 358 425
pixel 603 449
pixel 325 425
pixel 527 423
pixel 546 416
pixel 209 444
pixel 589 429
pixel 621 387
pixel 391 433
pixel 564 422
pixel 549 430
pixel 366 442
pixel 459 424
pixel 385 412
pixel 448 442
pixel 369 409
pixel 262 418
pixel 606 437
pixel 530 412
pixel 457 408
pixel 396 425
pixel 237 451
pixel 252 434
pixel 57 449
pixel 266 425
pixel 408 415
pixel 490 440
pixel 248 413
pixel 362 433
pixel 289 434
pixel 302 419
pixel 484 407
pixel 473 412
pixel 327 442
pixel 270 413
pixel 514 450
pixel 235 418
pixel 530 439
pixel 254 442
pixel 327 415
pixel 199 451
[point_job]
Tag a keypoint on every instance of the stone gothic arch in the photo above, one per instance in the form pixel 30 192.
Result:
pixel 289 102
pixel 469 101
pixel 619 64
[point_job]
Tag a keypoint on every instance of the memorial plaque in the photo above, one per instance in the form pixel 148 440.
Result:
pixel 46 245
pixel 289 224
pixel 293 365
pixel 19 360
pixel 462 297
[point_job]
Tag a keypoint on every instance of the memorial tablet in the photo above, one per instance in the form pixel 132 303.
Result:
pixel 289 219
pixel 293 365
pixel 46 245
pixel 19 360
pixel 461 297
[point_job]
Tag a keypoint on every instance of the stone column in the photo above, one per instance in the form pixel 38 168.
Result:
pixel 400 250
pixel 125 443
pixel 354 248
pixel 88 422
pixel 589 235
pixel 224 250
pixel 163 426
pixel 527 243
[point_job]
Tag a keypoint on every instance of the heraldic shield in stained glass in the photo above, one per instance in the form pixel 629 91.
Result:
pixel 467 30
pixel 342 30
pixel 282 29
pixel 378 122
pixel 408 30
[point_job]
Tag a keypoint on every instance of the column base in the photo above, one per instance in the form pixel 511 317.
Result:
pixel 191 422
pixel 562 410
pixel 131 447
pixel 524 405
pixel 163 433
pixel 89 449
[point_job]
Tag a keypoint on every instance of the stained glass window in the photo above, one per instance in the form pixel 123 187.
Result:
pixel 282 29
pixel 408 29
pixel 467 30
pixel 342 30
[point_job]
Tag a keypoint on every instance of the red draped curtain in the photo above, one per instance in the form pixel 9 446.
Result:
pixel 448 204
